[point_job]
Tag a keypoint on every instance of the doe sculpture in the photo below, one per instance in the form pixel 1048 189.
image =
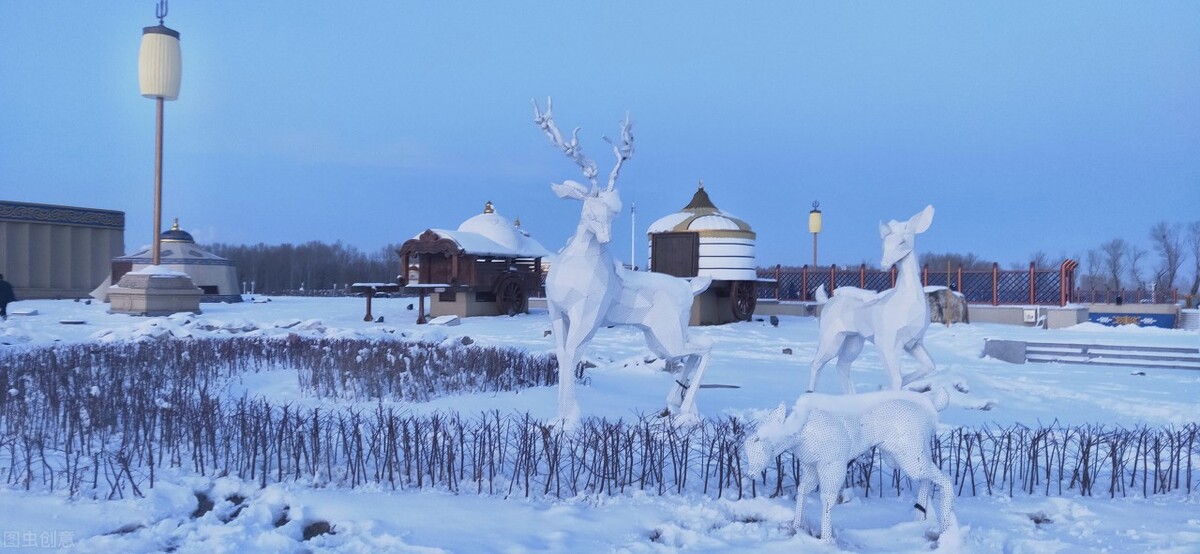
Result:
pixel 894 319
pixel 826 432
pixel 586 288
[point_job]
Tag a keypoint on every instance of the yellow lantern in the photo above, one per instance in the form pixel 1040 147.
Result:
pixel 814 219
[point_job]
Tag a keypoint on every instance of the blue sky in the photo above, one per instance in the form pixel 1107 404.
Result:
pixel 1051 126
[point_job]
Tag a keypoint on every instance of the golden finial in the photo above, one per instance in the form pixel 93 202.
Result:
pixel 488 209
pixel 175 227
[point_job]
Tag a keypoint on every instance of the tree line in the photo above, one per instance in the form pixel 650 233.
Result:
pixel 312 266
pixel 1114 265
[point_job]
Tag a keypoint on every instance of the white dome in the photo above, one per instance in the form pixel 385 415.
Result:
pixel 494 227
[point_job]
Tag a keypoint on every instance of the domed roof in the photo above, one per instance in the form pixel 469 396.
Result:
pixel 702 216
pixel 494 227
pixel 175 234
pixel 177 248
pixel 493 234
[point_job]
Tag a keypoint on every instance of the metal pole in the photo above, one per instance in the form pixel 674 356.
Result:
pixel 814 250
pixel 158 141
pixel 632 235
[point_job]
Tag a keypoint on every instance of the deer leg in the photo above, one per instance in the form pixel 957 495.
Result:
pixel 851 347
pixel 568 358
pixel 891 362
pixel 831 477
pixel 826 350
pixel 689 399
pixel 807 484
pixel 927 366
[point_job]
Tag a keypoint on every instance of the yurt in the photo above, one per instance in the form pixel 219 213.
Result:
pixel 701 240
pixel 489 265
pixel 214 275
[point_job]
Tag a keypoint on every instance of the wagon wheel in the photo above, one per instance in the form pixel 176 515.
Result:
pixel 511 297
pixel 743 300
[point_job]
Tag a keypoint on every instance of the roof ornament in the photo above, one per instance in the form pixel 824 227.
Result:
pixel 160 10
pixel 175 226
pixel 488 208
pixel 701 183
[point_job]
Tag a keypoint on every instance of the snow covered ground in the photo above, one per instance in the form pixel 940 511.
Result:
pixel 626 382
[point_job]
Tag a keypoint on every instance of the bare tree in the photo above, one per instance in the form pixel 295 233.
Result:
pixel 1092 278
pixel 1136 256
pixel 1113 260
pixel 968 262
pixel 1167 241
pixel 1039 259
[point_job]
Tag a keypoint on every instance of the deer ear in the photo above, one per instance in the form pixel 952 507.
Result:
pixel 778 414
pixel 569 189
pixel 884 230
pixel 920 222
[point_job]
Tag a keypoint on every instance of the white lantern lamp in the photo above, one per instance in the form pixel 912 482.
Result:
pixel 159 71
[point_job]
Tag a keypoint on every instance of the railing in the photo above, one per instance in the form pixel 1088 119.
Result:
pixel 995 286
pixel 1128 296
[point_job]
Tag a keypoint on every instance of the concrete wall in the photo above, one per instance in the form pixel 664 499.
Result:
pixel 51 251
pixel 464 305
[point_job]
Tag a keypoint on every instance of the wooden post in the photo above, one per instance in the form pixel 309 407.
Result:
pixel 862 276
pixel 777 282
pixel 804 283
pixel 946 308
pixel 995 284
pixel 1032 283
pixel 421 307
pixel 925 275
pixel 960 289
pixel 370 294
pixel 832 278
pixel 893 272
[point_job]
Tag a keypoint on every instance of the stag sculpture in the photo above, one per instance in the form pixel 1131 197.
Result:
pixel 587 288
pixel 895 319
pixel 826 432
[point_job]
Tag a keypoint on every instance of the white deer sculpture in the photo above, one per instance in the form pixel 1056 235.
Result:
pixel 587 289
pixel 826 432
pixel 895 319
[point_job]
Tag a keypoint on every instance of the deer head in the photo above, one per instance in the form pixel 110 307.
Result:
pixel 899 236
pixel 759 448
pixel 600 206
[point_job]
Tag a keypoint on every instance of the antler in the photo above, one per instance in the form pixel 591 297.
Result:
pixel 545 120
pixel 623 151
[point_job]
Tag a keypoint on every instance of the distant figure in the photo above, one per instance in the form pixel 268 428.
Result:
pixel 6 296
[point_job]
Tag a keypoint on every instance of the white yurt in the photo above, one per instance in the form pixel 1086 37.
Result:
pixel 701 240
pixel 214 275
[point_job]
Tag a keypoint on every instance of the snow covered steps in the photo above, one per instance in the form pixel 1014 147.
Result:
pixel 1019 352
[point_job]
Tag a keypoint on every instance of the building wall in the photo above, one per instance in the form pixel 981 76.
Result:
pixel 49 251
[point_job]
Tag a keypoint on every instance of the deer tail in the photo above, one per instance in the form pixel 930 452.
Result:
pixel 820 295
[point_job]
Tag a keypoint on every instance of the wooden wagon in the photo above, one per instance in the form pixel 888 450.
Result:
pixel 488 266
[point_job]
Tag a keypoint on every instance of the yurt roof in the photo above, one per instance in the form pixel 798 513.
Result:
pixel 177 248
pixel 701 215
pixel 492 234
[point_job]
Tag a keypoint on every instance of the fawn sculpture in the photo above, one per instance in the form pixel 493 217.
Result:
pixel 895 319
pixel 826 432
pixel 587 288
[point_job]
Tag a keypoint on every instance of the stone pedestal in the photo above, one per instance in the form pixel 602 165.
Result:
pixel 154 294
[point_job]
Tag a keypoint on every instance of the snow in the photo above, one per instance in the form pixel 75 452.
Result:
pixel 627 381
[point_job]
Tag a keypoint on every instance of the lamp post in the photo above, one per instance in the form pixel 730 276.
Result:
pixel 159 65
pixel 814 227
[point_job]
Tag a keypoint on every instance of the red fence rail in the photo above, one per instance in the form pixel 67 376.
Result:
pixel 995 286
